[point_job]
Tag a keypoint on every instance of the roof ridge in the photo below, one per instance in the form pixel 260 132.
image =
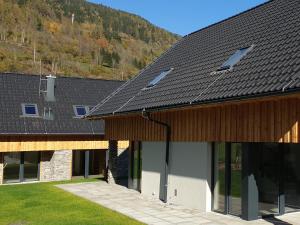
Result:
pixel 60 76
pixel 231 17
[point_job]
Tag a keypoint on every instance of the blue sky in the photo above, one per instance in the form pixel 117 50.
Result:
pixel 182 16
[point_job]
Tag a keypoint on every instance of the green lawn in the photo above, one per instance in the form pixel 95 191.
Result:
pixel 45 204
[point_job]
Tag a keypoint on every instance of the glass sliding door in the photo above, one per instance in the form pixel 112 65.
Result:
pixel 97 162
pixel 227 178
pixel 87 163
pixel 78 163
pixel 219 177
pixel 235 207
pixel 271 171
pixel 292 177
pixel 267 178
pixel 11 172
pixel 31 166
pixel 136 165
pixel 94 163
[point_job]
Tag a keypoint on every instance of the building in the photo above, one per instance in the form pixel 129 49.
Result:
pixel 42 135
pixel 214 122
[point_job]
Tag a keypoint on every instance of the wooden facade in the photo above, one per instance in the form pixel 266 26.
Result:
pixel 54 143
pixel 265 120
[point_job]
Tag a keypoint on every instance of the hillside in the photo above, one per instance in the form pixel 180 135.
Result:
pixel 78 38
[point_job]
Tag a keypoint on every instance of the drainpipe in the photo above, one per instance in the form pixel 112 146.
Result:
pixel 146 115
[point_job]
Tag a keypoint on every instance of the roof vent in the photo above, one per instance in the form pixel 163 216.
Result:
pixel 49 96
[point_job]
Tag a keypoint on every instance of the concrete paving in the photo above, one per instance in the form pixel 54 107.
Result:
pixel 152 211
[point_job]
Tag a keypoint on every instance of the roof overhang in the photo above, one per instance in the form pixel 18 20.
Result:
pixel 235 100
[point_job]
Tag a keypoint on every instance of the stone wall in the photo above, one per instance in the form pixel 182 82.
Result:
pixel 117 164
pixel 1 168
pixel 56 165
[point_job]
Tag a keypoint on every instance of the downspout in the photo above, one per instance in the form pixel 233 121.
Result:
pixel 146 115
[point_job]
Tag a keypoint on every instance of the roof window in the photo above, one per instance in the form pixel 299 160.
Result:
pixel 80 110
pixel 158 78
pixel 30 110
pixel 235 58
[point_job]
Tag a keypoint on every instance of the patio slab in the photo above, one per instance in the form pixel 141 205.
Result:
pixel 155 212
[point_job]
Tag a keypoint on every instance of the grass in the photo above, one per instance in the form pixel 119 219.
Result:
pixel 235 183
pixel 45 204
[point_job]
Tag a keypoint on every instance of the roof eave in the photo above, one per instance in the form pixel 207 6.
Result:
pixel 185 105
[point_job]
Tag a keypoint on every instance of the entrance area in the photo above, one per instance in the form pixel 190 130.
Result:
pixel 88 163
pixel 227 175
pixel 21 167
pixel 256 180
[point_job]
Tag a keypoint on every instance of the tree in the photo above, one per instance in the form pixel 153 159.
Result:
pixel 39 24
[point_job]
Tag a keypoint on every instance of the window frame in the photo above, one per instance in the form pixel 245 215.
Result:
pixel 24 114
pixel 162 75
pixel 81 106
pixel 242 52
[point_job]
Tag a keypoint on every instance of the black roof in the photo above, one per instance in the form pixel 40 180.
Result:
pixel 16 89
pixel 271 67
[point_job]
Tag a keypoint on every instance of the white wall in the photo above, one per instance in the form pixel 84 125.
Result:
pixel 153 158
pixel 189 174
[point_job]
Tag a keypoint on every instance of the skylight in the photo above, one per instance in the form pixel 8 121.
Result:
pixel 80 110
pixel 30 110
pixel 235 58
pixel 158 78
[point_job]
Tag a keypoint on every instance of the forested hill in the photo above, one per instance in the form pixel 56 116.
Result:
pixel 76 38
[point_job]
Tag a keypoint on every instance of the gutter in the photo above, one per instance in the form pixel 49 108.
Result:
pixel 146 115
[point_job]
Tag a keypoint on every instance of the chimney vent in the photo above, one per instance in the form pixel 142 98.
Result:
pixel 49 96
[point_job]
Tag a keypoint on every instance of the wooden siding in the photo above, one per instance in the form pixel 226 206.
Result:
pixel 44 143
pixel 274 120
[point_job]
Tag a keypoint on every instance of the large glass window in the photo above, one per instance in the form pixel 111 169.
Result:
pixel 271 171
pixel 31 166
pixel 227 178
pixel 136 165
pixel 88 163
pixel 11 172
pixel 97 162
pixel 21 166
pixel 78 163
pixel 267 178
pixel 292 177
pixel 219 177
pixel 236 179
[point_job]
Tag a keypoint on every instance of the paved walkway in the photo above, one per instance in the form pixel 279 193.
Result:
pixel 150 211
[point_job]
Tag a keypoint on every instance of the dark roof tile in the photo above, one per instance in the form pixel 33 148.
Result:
pixel 273 28
pixel 19 88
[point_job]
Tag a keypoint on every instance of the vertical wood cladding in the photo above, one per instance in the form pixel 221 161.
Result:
pixel 257 121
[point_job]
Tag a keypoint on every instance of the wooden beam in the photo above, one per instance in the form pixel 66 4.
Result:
pixel 37 143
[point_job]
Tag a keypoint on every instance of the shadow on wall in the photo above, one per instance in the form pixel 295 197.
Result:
pixel 120 165
pixel 186 159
